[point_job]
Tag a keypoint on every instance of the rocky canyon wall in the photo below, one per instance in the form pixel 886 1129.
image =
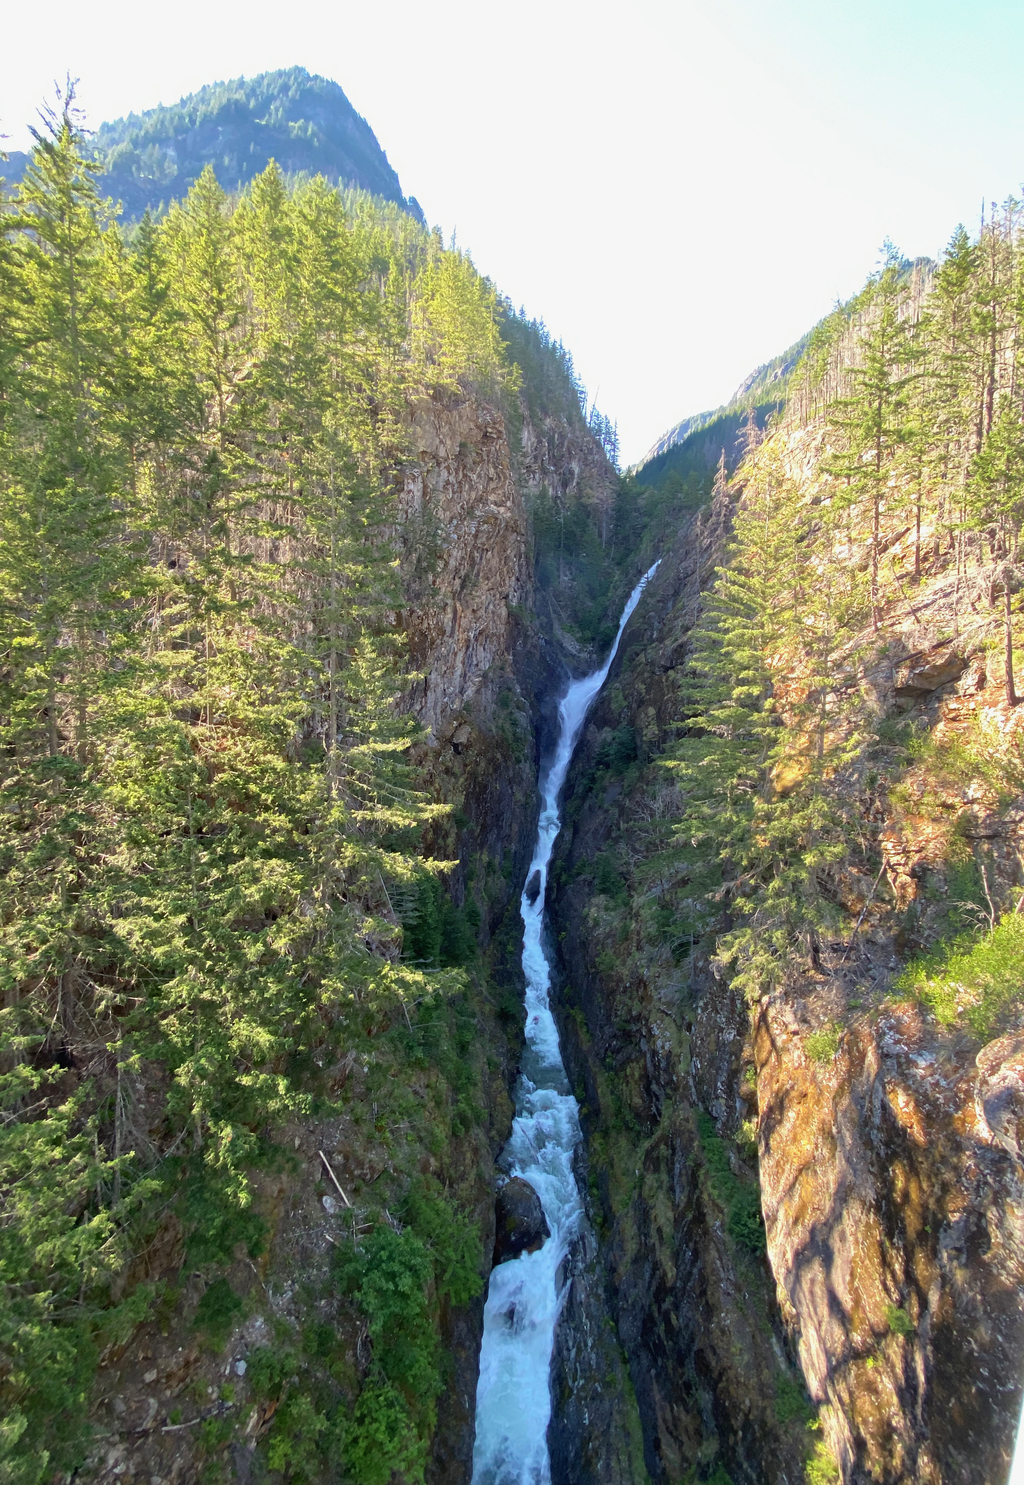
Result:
pixel 175 1402
pixel 871 1328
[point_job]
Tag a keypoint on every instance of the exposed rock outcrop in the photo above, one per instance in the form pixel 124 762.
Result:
pixel 882 1143
pixel 520 1225
pixel 465 535
pixel 468 567
pixel 895 1214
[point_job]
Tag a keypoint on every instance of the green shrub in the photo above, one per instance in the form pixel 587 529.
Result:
pixel 454 1243
pixel 740 1200
pixel 294 1443
pixel 382 1439
pixel 823 1044
pixel 821 1468
pixel 746 1139
pixel 746 1224
pixel 268 1369
pixel 791 1400
pixel 217 1311
pixel 898 1321
pixel 977 980
pixel 390 1277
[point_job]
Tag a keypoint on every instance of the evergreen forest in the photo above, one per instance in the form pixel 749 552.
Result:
pixel 212 834
pixel 877 519
pixel 243 894
pixel 302 122
pixel 788 890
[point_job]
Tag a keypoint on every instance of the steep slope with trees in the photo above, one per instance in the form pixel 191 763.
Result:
pixel 268 783
pixel 300 530
pixel 788 905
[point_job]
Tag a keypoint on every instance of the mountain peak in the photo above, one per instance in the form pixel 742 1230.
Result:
pixel 304 122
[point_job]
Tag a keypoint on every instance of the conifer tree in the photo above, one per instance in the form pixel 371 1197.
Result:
pixel 872 420
pixel 203 750
pixel 996 507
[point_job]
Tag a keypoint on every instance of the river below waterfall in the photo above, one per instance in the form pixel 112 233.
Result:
pixel 513 1400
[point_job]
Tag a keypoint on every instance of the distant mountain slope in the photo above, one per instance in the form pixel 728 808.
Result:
pixel 765 389
pixel 304 122
pixel 766 384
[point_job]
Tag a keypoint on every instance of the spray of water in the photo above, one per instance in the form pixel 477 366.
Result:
pixel 1017 1467
pixel 513 1400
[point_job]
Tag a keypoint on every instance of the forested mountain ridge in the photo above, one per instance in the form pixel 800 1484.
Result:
pixel 304 122
pixel 765 383
pixel 301 529
pixel 685 458
pixel 788 899
pixel 268 778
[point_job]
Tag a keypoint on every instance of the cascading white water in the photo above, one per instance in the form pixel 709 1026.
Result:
pixel 1017 1466
pixel 513 1398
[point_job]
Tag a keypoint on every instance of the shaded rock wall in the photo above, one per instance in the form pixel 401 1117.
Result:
pixel 889 1168
pixel 491 671
pixel 648 1046
pixel 467 570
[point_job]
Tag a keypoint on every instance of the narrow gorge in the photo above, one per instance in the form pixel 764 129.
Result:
pixel 511 967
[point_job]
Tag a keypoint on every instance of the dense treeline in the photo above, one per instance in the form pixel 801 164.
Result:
pixel 881 514
pixel 206 804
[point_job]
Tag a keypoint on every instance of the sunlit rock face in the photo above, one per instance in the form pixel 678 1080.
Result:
pixel 890 1165
pixel 893 1193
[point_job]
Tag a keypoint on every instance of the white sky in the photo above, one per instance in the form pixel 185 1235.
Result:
pixel 678 189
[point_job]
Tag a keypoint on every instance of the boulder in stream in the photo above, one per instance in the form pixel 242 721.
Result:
pixel 520 1224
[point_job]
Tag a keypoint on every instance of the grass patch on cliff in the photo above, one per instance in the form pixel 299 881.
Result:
pixel 898 1321
pixel 791 1400
pixel 822 1045
pixel 740 1200
pixel 821 1468
pixel 972 980
pixel 975 751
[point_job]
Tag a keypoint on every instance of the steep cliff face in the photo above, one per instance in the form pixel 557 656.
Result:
pixel 892 1188
pixel 466 536
pixel 871 1329
pixel 180 1398
pixel 492 657
pixel 652 1045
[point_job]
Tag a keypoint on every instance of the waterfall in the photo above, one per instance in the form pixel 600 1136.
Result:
pixel 1017 1467
pixel 513 1399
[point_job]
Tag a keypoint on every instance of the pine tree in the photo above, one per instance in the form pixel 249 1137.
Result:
pixel 872 420
pixel 67 568
pixel 996 496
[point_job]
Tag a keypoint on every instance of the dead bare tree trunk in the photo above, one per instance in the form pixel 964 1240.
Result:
pixel 1011 693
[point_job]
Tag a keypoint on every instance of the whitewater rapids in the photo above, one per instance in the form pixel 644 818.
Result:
pixel 513 1399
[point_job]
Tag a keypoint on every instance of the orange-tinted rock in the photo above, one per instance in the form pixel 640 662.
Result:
pixel 893 1202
